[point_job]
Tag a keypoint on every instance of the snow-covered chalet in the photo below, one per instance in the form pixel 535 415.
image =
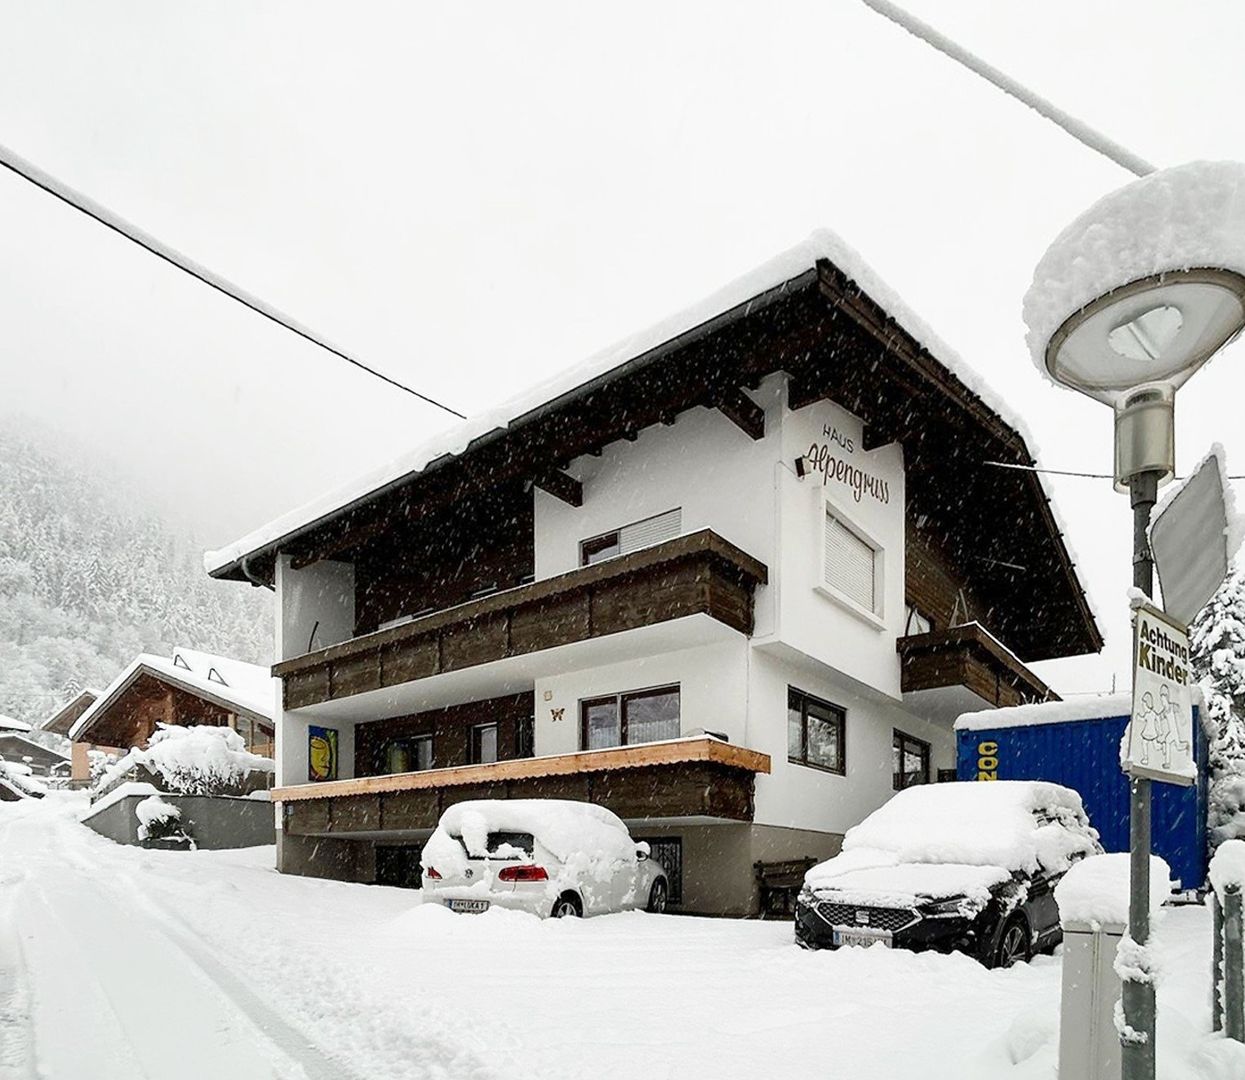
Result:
pixel 733 579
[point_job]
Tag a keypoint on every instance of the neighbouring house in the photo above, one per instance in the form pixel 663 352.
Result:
pixel 20 746
pixel 189 689
pixel 194 730
pixel 17 776
pixel 733 579
pixel 60 723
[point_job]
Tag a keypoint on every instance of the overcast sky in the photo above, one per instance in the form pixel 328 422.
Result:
pixel 474 196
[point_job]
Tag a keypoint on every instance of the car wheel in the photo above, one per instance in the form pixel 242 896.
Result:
pixel 567 906
pixel 658 896
pixel 1014 946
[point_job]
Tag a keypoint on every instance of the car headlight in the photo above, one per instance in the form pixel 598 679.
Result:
pixel 955 906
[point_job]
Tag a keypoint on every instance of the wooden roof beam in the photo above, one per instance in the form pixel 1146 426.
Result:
pixel 741 411
pixel 561 486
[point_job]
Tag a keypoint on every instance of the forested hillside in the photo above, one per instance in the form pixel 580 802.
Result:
pixel 90 575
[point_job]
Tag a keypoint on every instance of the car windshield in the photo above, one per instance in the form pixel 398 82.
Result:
pixel 506 845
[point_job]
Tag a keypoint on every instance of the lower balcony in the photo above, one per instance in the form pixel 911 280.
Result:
pixel 964 668
pixel 693 780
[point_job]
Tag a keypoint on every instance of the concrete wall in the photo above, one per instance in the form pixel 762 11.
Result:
pixel 215 822
pixel 315 606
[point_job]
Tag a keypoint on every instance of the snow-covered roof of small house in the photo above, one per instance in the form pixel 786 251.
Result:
pixel 802 270
pixel 233 684
pixel 7 723
pixel 63 719
pixel 11 743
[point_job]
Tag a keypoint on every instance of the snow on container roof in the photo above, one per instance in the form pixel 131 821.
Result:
pixel 249 687
pixel 1188 217
pixel 784 268
pixel 1014 824
pixel 1083 707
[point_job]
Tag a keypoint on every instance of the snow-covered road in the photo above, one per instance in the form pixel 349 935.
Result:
pixel 121 963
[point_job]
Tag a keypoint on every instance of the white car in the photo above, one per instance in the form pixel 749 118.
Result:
pixel 544 856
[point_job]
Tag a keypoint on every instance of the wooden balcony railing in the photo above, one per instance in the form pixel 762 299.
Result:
pixel 971 657
pixel 689 777
pixel 693 574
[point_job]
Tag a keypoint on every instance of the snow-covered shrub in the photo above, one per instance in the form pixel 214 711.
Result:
pixel 1218 661
pixel 159 820
pixel 192 761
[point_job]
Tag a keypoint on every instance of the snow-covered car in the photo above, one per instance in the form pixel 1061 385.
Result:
pixel 970 867
pixel 544 856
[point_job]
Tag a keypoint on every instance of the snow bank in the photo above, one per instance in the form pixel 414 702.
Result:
pixel 1089 707
pixel 192 760
pixel 1013 824
pixel 1094 892
pixel 1228 867
pixel 581 834
pixel 1190 216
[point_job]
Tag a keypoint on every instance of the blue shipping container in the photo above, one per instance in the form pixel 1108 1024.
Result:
pixel 1085 756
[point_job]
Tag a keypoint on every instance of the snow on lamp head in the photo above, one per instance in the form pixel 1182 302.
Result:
pixel 1137 294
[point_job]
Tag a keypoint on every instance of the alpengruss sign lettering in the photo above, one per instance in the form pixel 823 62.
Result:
pixel 833 464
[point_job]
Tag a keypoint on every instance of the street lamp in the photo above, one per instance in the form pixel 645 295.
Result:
pixel 1130 300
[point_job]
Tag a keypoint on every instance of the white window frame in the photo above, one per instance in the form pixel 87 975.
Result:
pixel 875 617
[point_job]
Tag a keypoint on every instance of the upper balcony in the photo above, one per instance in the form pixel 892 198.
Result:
pixel 963 668
pixel 699 574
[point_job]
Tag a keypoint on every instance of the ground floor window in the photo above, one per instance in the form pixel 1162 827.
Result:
pixel 667 851
pixel 408 755
pixel 640 716
pixel 911 761
pixel 484 744
pixel 815 732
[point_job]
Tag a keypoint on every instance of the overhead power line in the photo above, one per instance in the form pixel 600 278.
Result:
pixel 86 205
pixel 1078 129
pixel 1069 472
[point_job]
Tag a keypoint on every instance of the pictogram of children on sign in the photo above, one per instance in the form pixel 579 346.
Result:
pixel 1160 727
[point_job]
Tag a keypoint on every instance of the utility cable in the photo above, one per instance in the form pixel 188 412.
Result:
pixel 1078 129
pixel 85 204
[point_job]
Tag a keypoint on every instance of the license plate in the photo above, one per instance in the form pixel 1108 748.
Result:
pixel 468 907
pixel 862 936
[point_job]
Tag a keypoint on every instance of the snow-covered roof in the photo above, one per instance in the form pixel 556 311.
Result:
pixel 50 723
pixel 231 683
pixel 9 738
pixel 1082 707
pixel 7 723
pixel 453 441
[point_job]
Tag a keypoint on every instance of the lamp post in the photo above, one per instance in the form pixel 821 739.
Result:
pixel 1132 348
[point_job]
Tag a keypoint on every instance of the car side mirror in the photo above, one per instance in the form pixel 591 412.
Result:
pixel 642 850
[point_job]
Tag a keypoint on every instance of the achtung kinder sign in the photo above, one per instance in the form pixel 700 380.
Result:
pixel 1159 740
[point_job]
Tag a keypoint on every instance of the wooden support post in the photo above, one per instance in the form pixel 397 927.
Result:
pixel 562 486
pixel 742 411
pixel 1216 963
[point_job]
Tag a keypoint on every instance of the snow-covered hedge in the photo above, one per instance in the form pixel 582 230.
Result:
pixel 157 818
pixel 191 761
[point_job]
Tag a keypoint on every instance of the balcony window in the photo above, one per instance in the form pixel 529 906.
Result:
pixel 408 755
pixel 640 716
pixel 911 758
pixel 815 732
pixel 639 534
pixel 483 744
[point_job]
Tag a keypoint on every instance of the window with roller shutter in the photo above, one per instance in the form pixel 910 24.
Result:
pixel 628 538
pixel 850 564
